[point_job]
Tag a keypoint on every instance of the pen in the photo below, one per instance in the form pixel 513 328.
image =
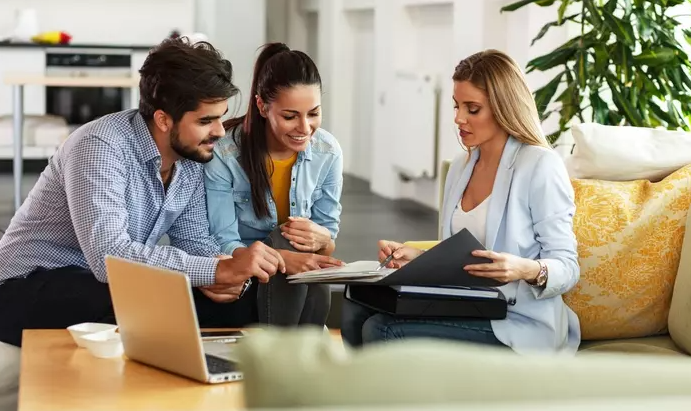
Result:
pixel 386 260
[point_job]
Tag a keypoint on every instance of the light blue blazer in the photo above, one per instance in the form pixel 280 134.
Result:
pixel 530 215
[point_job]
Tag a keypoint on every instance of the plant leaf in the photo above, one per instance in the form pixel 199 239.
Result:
pixel 625 107
pixel 655 57
pixel 601 57
pixel 671 108
pixel 649 85
pixel 615 118
pixel 582 62
pixel 661 114
pixel 553 59
pixel 547 26
pixel 620 28
pixel 570 104
pixel 517 5
pixel 675 76
pixel 562 10
pixel 600 108
pixel 684 78
pixel 645 29
pixel 595 16
pixel 544 95
pixel 687 35
pixel 611 6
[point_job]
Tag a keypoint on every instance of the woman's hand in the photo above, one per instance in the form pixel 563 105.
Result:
pixel 301 262
pixel 402 254
pixel 305 235
pixel 504 267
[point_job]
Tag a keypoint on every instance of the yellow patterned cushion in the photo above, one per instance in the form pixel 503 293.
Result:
pixel 629 244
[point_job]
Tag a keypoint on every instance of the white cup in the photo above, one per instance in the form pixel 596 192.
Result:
pixel 77 331
pixel 104 344
pixel 25 25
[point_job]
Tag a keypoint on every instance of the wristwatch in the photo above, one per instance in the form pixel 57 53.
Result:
pixel 541 279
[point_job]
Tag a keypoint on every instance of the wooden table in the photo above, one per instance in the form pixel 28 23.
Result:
pixel 56 375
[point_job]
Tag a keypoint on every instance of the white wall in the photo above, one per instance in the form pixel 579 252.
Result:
pixel 415 36
pixel 127 22
pixel 238 28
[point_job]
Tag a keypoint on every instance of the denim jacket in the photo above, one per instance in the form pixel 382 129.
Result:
pixel 315 192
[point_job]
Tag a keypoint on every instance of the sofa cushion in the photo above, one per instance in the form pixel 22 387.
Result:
pixel 629 244
pixel 307 368
pixel 679 318
pixel 626 153
pixel 659 345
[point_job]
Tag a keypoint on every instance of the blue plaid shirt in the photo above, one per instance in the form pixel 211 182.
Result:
pixel 102 194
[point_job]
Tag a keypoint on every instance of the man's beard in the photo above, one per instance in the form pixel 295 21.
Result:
pixel 190 153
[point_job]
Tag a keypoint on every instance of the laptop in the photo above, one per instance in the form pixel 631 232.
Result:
pixel 158 324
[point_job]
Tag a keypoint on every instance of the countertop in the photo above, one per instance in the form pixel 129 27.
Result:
pixel 6 44
pixel 27 79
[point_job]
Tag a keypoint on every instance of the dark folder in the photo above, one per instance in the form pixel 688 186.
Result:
pixel 442 265
pixel 409 291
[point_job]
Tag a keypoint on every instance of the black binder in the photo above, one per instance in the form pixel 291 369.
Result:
pixel 399 303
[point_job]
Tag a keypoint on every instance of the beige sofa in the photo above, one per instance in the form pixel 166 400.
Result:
pixel 307 368
pixel 9 377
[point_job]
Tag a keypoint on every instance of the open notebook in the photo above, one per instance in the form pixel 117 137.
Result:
pixel 360 271
pixel 440 266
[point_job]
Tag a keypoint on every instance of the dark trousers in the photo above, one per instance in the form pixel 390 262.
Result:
pixel 56 299
pixel 283 304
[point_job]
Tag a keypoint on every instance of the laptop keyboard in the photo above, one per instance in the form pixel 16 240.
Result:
pixel 217 365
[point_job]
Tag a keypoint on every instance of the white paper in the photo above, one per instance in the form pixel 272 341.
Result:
pixel 358 270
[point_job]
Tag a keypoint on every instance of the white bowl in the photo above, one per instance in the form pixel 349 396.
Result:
pixel 104 344
pixel 77 331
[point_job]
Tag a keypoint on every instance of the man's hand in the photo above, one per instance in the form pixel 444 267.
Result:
pixel 257 260
pixel 222 293
pixel 301 262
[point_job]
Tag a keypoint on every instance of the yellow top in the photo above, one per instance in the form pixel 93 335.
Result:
pixel 280 186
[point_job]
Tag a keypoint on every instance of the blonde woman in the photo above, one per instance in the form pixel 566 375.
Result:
pixel 513 193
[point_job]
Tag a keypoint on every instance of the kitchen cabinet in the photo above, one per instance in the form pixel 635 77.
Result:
pixel 23 60
pixel 31 60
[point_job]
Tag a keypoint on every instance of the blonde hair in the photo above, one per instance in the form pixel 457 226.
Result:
pixel 509 97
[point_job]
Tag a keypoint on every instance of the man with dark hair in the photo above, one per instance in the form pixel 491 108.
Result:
pixel 116 187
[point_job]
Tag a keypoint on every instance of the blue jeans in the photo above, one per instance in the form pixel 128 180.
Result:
pixel 361 325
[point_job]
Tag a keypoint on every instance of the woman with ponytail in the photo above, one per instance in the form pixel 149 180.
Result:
pixel 277 177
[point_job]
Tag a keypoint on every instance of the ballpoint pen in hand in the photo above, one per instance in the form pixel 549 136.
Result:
pixel 386 260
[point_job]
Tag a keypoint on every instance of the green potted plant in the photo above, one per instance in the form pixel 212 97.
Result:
pixel 627 66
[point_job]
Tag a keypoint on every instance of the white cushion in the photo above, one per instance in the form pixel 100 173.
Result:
pixel 9 376
pixel 627 153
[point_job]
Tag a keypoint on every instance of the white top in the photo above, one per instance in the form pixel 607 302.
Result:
pixel 474 220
